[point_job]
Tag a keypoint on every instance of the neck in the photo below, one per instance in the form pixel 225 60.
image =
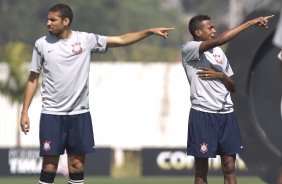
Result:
pixel 198 39
pixel 65 34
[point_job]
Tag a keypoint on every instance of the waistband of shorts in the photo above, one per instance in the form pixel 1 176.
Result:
pixel 221 111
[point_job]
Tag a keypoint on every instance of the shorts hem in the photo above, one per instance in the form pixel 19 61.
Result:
pixel 81 153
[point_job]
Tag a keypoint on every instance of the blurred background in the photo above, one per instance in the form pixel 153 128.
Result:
pixel 139 95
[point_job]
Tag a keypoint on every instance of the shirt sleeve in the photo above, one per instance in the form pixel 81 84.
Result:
pixel 37 58
pixel 190 51
pixel 98 43
pixel 227 70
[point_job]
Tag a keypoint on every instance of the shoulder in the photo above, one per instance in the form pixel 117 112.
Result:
pixel 87 35
pixel 41 39
pixel 48 39
pixel 39 43
pixel 191 44
pixel 80 33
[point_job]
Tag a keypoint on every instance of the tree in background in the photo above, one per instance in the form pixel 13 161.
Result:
pixel 15 54
pixel 106 17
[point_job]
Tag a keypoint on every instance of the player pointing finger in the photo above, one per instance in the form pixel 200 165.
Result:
pixel 261 21
pixel 163 32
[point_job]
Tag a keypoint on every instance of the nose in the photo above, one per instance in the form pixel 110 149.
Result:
pixel 48 23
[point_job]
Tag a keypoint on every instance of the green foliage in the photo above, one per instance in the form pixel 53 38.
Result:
pixel 15 54
pixel 25 21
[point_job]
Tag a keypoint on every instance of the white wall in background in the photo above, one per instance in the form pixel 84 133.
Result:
pixel 133 105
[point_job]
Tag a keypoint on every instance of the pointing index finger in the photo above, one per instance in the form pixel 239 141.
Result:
pixel 268 17
pixel 169 29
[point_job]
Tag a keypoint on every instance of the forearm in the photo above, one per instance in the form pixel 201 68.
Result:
pixel 128 38
pixel 30 90
pixel 231 33
pixel 223 37
pixel 228 83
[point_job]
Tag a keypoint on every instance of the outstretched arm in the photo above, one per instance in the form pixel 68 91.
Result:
pixel 30 90
pixel 231 33
pixel 130 38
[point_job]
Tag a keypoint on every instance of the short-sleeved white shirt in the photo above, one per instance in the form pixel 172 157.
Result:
pixel 277 39
pixel 65 65
pixel 207 95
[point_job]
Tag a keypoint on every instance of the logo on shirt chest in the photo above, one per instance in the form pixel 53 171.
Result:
pixel 218 59
pixel 76 48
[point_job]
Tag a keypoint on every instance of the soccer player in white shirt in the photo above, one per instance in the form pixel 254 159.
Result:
pixel 63 58
pixel 212 128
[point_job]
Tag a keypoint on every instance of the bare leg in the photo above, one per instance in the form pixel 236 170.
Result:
pixel 76 168
pixel 49 168
pixel 76 163
pixel 201 170
pixel 50 164
pixel 228 169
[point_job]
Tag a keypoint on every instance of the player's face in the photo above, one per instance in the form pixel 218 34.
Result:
pixel 55 24
pixel 207 31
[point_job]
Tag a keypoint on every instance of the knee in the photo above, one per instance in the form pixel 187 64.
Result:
pixel 76 167
pixel 50 164
pixel 49 168
pixel 228 169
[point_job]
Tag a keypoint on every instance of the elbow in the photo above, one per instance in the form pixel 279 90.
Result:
pixel 233 89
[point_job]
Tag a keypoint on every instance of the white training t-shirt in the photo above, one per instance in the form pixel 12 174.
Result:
pixel 277 39
pixel 65 65
pixel 207 95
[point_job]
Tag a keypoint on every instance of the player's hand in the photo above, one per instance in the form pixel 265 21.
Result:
pixel 208 73
pixel 163 32
pixel 261 21
pixel 25 124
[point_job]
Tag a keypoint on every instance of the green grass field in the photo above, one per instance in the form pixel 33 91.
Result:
pixel 135 180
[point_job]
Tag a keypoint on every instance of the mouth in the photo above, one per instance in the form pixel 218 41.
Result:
pixel 50 29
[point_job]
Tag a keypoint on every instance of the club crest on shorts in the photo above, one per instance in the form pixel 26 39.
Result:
pixel 47 145
pixel 204 148
pixel 76 48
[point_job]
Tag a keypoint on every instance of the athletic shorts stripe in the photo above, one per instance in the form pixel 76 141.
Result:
pixel 211 134
pixel 70 133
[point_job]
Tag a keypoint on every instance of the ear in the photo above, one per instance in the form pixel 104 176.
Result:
pixel 66 22
pixel 198 32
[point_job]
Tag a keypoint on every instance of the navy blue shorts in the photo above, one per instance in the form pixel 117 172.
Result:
pixel 211 134
pixel 73 133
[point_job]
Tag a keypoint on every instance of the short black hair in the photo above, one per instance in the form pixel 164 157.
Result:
pixel 64 10
pixel 196 23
